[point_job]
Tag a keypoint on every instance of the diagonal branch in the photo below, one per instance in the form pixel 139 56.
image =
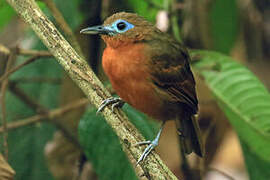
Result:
pixel 80 72
pixel 63 25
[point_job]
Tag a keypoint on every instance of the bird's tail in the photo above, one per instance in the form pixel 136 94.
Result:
pixel 189 135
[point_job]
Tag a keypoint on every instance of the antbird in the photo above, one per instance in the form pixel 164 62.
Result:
pixel 150 70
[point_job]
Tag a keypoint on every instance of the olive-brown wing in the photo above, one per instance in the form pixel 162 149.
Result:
pixel 171 73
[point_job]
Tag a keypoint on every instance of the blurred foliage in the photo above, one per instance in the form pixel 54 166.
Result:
pixel 6 13
pixel 26 145
pixel 102 146
pixel 224 24
pixel 71 12
pixel 244 100
pixel 146 9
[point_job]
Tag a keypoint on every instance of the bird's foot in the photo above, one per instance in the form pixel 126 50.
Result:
pixel 148 149
pixel 114 101
pixel 151 145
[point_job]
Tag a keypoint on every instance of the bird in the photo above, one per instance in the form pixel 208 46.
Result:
pixel 150 70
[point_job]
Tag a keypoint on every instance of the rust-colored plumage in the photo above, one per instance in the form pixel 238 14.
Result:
pixel 150 70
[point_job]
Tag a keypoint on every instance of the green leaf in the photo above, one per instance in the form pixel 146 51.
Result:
pixel 243 98
pixel 258 168
pixel 102 147
pixel 224 24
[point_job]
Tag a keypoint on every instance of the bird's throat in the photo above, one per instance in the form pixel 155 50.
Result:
pixel 117 42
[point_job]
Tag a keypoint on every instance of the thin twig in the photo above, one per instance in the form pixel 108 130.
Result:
pixel 4 54
pixel 43 110
pixel 4 49
pixel 27 99
pixel 25 52
pixel 10 71
pixel 63 25
pixel 50 115
pixel 31 52
pixel 4 85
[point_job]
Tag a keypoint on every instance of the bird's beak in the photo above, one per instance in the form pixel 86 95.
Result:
pixel 104 30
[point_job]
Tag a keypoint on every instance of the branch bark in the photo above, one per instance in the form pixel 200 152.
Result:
pixel 63 25
pixel 80 72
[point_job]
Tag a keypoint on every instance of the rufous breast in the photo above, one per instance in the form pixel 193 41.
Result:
pixel 126 67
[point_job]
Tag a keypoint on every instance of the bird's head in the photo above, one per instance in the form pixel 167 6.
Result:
pixel 123 28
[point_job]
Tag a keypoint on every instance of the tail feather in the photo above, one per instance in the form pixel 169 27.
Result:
pixel 190 136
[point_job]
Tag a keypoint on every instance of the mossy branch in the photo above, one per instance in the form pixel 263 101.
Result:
pixel 80 72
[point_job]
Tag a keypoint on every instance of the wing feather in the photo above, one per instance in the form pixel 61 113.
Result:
pixel 171 72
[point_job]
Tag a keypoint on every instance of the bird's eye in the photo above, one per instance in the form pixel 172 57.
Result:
pixel 121 26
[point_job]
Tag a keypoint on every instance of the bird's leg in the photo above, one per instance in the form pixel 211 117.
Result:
pixel 151 144
pixel 114 101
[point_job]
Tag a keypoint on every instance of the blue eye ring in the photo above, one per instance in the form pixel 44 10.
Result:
pixel 122 26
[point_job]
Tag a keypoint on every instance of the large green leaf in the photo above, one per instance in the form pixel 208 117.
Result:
pixel 242 97
pixel 258 168
pixel 102 146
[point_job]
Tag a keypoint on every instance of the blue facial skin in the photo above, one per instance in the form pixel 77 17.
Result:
pixel 113 29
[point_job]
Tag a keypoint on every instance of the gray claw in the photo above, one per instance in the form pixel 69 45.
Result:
pixel 142 143
pixel 115 102
pixel 146 152
pixel 150 147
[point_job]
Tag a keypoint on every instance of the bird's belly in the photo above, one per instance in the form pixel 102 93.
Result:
pixel 140 95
